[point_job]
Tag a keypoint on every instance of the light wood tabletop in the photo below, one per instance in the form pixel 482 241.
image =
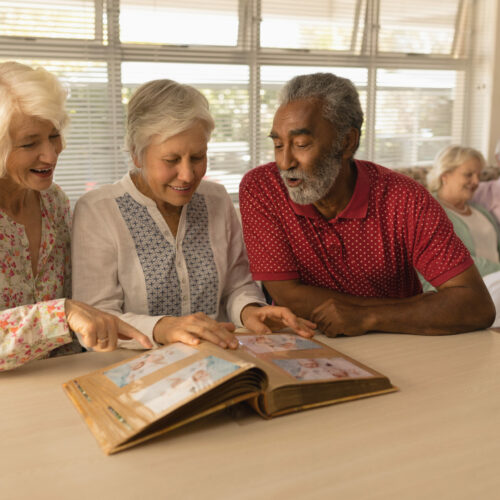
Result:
pixel 437 438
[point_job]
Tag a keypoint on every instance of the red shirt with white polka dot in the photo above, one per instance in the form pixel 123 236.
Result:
pixel 391 227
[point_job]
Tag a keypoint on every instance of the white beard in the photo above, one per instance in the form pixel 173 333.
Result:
pixel 314 186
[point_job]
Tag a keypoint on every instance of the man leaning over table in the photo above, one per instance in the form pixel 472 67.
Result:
pixel 340 240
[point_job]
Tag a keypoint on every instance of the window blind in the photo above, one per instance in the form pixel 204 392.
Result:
pixel 413 66
pixel 414 115
pixel 179 23
pixel 315 24
pixel 48 18
pixel 428 27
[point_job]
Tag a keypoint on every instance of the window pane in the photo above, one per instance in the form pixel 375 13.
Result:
pixel 424 28
pixel 48 18
pixel 226 88
pixel 315 24
pixel 191 22
pixel 415 113
pixel 274 77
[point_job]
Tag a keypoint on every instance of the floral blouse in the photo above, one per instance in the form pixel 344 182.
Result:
pixel 32 319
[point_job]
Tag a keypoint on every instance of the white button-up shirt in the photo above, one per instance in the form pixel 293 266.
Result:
pixel 127 262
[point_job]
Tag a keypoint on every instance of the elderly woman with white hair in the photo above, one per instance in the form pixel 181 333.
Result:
pixel 453 180
pixel 162 248
pixel 36 318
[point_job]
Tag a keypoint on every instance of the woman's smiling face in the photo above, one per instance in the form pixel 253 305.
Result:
pixel 172 170
pixel 36 145
pixel 462 182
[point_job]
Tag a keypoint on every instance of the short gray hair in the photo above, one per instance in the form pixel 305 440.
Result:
pixel 164 108
pixel 341 106
pixel 32 92
pixel 447 160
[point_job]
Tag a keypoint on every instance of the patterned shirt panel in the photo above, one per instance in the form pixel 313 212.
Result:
pixel 199 257
pixel 157 258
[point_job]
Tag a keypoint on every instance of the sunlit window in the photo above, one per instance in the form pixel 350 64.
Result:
pixel 315 24
pixel 190 22
pixel 414 115
pixel 48 18
pixel 426 27
pixel 408 61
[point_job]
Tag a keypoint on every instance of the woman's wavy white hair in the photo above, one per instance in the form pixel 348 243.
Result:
pixel 447 160
pixel 32 92
pixel 161 109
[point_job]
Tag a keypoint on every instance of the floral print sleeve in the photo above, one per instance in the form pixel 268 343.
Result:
pixel 32 320
pixel 32 331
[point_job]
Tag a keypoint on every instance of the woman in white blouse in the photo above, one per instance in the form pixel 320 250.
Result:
pixel 163 248
pixel 36 317
pixel 454 178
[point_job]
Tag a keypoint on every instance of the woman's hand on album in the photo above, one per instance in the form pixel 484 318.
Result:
pixel 192 328
pixel 99 330
pixel 265 319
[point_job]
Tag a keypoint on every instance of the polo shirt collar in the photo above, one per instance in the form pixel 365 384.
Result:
pixel 355 209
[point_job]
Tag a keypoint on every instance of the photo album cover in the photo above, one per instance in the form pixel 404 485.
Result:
pixel 159 390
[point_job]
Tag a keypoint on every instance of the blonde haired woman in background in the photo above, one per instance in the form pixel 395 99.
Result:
pixel 35 317
pixel 453 180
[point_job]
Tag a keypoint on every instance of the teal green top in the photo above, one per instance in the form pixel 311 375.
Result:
pixel 484 266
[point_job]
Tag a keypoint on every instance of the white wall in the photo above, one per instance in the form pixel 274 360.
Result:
pixel 483 131
pixel 494 135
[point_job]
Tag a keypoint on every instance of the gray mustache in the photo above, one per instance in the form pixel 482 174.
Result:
pixel 291 174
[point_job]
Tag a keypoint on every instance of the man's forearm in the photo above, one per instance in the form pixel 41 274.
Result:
pixel 304 299
pixel 462 304
pixel 447 312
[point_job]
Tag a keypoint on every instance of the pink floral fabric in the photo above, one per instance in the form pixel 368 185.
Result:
pixel 32 320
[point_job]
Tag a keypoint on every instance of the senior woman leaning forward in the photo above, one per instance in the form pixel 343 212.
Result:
pixel 453 179
pixel 35 319
pixel 162 247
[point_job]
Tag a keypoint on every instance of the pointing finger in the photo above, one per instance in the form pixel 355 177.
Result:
pixel 128 331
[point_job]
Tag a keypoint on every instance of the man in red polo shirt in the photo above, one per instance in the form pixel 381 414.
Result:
pixel 340 241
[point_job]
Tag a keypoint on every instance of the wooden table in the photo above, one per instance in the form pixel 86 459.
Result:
pixel 438 438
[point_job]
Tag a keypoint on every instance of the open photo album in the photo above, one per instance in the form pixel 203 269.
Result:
pixel 159 390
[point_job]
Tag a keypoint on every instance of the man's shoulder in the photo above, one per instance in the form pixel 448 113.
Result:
pixel 261 174
pixel 263 187
pixel 389 180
